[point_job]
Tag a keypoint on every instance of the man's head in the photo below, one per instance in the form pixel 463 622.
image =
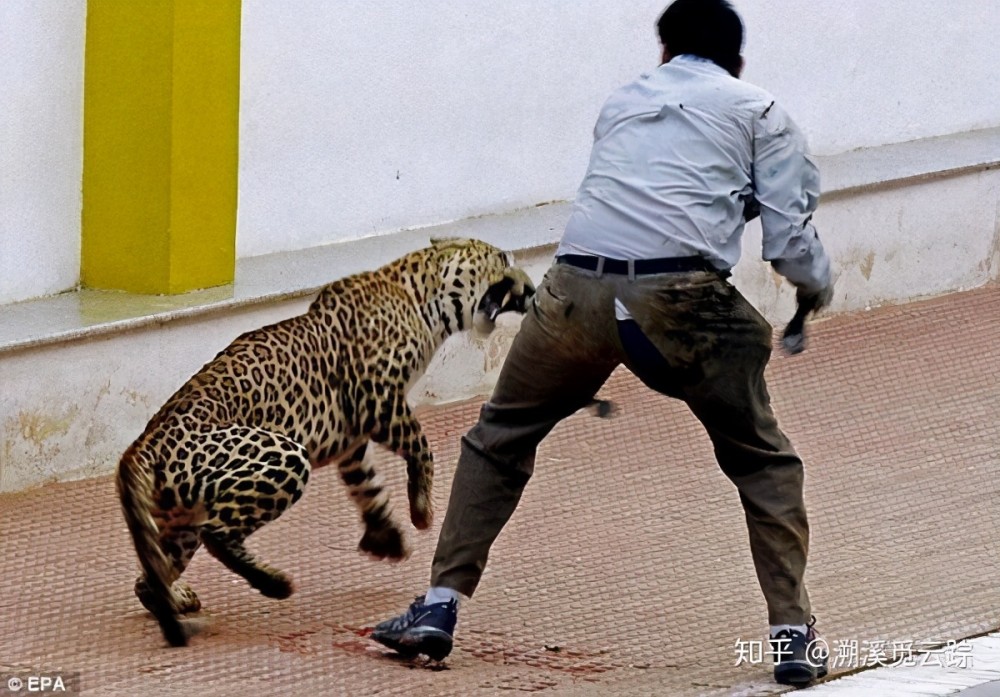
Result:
pixel 707 28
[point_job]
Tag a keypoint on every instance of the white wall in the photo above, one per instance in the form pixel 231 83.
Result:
pixel 360 118
pixel 41 145
pixel 475 107
pixel 857 73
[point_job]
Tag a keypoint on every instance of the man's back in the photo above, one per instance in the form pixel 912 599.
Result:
pixel 672 165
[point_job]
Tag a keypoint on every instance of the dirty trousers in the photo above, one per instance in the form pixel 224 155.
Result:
pixel 693 337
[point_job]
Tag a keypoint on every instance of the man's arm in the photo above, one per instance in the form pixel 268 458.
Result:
pixel 786 184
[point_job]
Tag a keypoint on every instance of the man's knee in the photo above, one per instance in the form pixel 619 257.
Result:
pixel 507 435
pixel 484 454
pixel 782 465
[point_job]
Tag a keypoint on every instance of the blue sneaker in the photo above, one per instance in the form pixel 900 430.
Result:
pixel 799 658
pixel 425 629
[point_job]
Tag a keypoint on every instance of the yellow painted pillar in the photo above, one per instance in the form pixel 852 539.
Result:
pixel 160 144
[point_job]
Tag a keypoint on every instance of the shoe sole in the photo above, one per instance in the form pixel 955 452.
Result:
pixel 394 644
pixel 432 642
pixel 798 673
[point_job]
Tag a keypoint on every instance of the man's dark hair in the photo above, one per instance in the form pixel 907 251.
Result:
pixel 707 28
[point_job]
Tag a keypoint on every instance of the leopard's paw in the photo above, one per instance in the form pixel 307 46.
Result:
pixel 421 512
pixel 185 599
pixel 275 584
pixel 385 543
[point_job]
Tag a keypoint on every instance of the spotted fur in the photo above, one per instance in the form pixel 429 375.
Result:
pixel 233 448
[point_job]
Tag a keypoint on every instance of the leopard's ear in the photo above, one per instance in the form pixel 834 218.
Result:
pixel 445 242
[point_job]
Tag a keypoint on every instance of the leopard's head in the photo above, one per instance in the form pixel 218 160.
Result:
pixel 479 282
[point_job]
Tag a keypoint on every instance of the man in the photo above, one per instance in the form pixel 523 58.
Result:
pixel 681 157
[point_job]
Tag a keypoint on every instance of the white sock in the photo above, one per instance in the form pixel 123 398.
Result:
pixel 441 594
pixel 775 628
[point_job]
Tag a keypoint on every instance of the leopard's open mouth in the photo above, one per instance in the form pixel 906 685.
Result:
pixel 506 295
pixel 510 294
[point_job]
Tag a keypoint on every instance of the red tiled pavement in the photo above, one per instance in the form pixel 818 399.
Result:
pixel 626 569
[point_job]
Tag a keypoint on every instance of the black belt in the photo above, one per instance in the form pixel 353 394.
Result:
pixel 639 266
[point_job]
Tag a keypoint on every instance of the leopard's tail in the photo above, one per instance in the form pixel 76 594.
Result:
pixel 135 486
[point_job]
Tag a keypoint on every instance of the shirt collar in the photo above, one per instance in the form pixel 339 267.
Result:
pixel 703 63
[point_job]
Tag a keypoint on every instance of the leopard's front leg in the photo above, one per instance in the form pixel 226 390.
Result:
pixel 397 429
pixel 413 447
pixel 382 539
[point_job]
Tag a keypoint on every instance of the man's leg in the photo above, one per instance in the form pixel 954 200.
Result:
pixel 760 461
pixel 705 344
pixel 699 340
pixel 757 457
pixel 562 354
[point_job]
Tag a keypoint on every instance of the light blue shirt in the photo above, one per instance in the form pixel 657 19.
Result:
pixel 676 155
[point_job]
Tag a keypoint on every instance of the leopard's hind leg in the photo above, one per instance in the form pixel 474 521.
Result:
pixel 266 473
pixel 227 547
pixel 382 538
pixel 179 545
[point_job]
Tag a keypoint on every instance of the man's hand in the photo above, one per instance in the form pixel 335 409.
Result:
pixel 794 338
pixel 815 301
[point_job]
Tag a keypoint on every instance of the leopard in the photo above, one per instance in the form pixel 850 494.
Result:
pixel 234 447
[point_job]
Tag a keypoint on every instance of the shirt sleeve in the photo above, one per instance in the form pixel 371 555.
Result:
pixel 786 186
